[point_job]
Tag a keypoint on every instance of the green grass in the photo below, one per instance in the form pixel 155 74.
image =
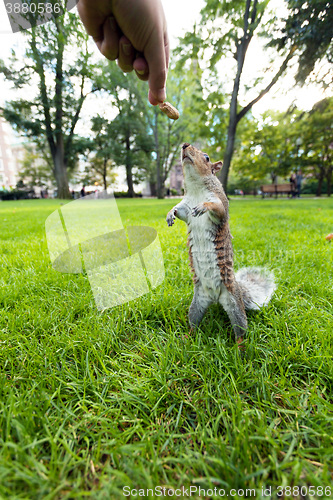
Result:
pixel 91 402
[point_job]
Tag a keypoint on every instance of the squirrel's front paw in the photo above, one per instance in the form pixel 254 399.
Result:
pixel 199 210
pixel 171 217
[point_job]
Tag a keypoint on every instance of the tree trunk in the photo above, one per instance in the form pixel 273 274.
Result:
pixel 329 181
pixel 153 190
pixel 129 180
pixel 242 46
pixel 229 151
pixel 60 166
pixel 159 183
pixel 273 177
pixel 320 182
pixel 129 173
pixel 104 174
pixel 234 117
pixel 60 172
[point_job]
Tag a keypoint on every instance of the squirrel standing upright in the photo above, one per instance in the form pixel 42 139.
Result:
pixel 205 211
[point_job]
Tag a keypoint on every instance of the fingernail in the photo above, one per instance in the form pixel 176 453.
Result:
pixel 140 72
pixel 127 48
pixel 113 24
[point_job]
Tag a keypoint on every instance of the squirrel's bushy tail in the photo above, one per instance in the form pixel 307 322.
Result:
pixel 257 286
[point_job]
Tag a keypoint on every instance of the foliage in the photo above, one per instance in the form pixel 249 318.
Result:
pixel 140 136
pixel 17 194
pixel 91 402
pixel 126 139
pixel 98 153
pixel 309 27
pixel 34 169
pixel 285 142
pixel 269 148
pixel 316 132
pixel 185 92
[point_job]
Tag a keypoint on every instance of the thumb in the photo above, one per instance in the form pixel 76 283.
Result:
pixel 157 56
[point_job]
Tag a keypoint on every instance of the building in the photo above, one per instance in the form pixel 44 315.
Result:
pixel 8 158
pixel 176 178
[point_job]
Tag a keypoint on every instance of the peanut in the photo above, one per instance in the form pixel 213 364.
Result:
pixel 169 110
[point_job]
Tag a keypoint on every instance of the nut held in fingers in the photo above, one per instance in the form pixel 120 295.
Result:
pixel 169 110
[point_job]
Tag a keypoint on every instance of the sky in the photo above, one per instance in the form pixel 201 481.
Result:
pixel 187 12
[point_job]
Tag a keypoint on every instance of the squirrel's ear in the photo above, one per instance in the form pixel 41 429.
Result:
pixel 216 167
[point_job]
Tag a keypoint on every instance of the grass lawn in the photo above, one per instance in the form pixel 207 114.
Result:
pixel 92 402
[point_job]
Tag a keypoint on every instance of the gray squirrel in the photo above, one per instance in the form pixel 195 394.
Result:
pixel 205 211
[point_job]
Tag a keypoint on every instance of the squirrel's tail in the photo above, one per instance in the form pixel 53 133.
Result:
pixel 257 286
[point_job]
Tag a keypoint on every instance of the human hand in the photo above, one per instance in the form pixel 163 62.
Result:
pixel 133 32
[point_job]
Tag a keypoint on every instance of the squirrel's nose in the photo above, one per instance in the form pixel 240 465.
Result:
pixel 186 145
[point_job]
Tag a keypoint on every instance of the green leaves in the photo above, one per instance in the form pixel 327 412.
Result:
pixel 309 26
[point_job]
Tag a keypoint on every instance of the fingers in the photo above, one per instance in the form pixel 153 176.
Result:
pixel 126 55
pixel 120 31
pixel 141 67
pixel 109 45
pixel 114 46
pixel 157 56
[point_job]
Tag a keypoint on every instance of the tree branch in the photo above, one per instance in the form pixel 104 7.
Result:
pixel 283 67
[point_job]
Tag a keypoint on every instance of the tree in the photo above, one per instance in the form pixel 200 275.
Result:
pixel 228 28
pixel 269 147
pixel 309 27
pixel 57 58
pixel 34 169
pixel 99 150
pixel 293 140
pixel 185 92
pixel 141 137
pixel 316 133
pixel 129 138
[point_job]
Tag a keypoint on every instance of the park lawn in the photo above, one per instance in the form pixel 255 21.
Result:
pixel 92 402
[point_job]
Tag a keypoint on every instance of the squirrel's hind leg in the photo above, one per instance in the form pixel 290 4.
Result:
pixel 198 307
pixel 234 307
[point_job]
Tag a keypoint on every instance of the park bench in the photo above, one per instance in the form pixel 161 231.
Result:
pixel 276 189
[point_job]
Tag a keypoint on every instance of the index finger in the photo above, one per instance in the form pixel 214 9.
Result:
pixel 157 57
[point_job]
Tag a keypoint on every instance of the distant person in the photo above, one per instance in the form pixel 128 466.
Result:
pixel 299 179
pixel 135 33
pixel 83 192
pixel 292 181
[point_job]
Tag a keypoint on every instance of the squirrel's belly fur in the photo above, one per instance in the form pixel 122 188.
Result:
pixel 207 258
pixel 203 256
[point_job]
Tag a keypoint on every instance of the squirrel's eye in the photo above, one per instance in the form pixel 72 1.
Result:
pixel 207 157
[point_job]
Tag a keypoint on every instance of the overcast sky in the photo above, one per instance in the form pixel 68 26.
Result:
pixel 187 12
